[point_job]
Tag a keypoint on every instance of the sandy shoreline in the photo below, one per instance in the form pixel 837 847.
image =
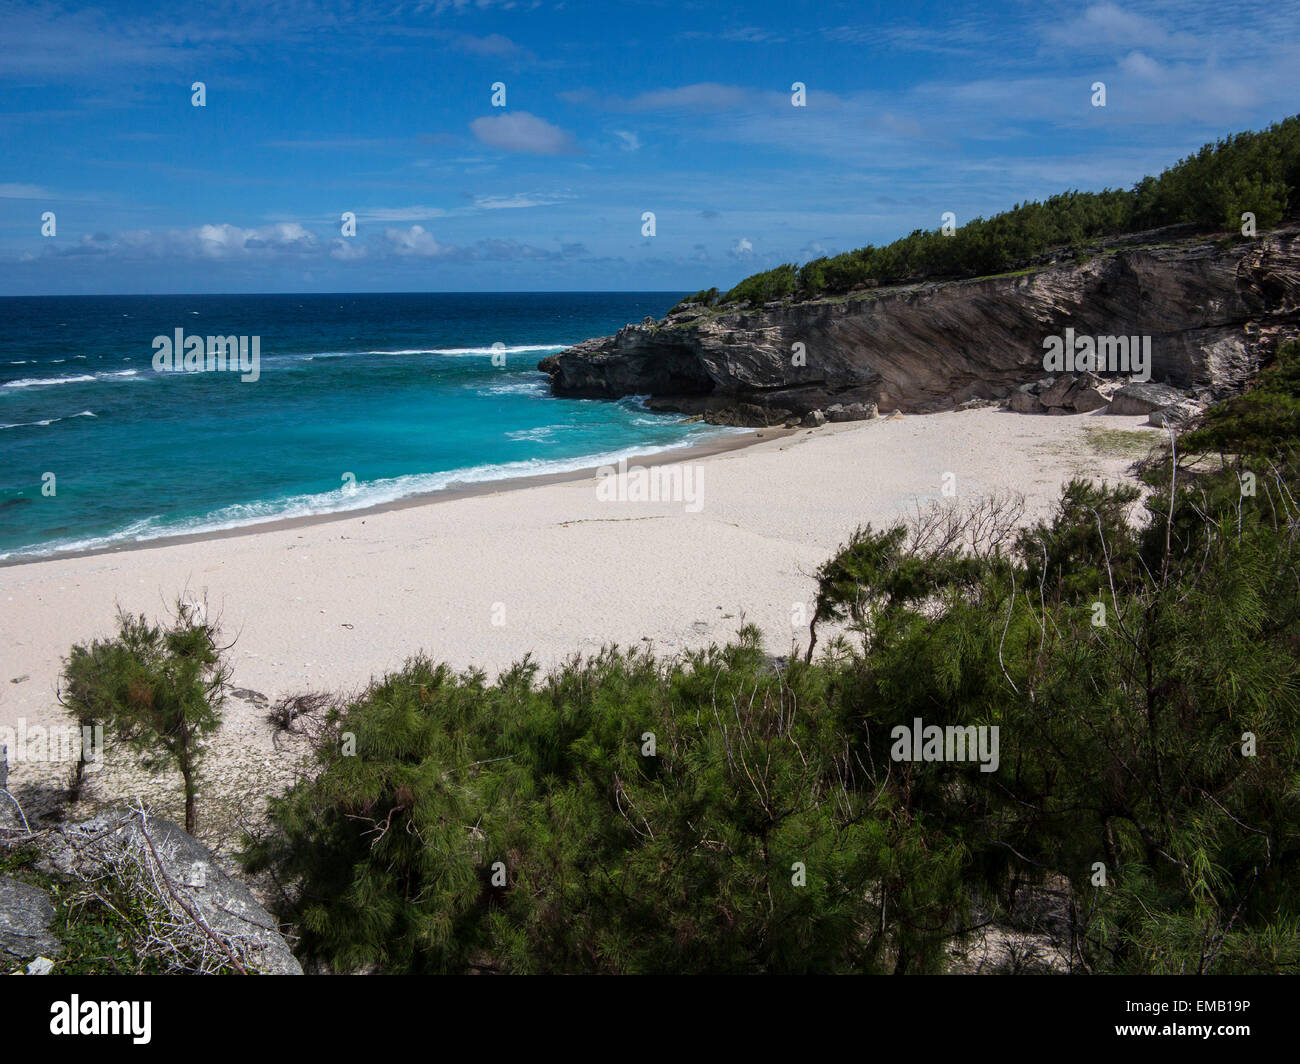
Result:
pixel 456 490
pixel 482 578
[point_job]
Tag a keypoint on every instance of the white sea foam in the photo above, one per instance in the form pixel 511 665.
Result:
pixel 341 500
pixel 543 432
pixel 504 349
pixel 41 382
pixel 80 378
pixel 537 387
pixel 451 351
pixel 47 421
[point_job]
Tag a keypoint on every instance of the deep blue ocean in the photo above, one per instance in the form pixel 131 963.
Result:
pixel 399 390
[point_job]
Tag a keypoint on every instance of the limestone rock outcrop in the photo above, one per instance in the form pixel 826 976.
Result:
pixel 1213 311
pixel 183 871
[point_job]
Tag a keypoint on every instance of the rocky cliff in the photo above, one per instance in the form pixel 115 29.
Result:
pixel 1212 309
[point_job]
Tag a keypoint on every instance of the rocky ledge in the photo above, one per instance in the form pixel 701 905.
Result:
pixel 190 915
pixel 1214 310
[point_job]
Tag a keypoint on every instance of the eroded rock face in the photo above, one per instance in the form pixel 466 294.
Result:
pixel 25 915
pixel 1213 313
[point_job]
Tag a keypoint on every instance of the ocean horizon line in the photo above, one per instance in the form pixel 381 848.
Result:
pixel 355 292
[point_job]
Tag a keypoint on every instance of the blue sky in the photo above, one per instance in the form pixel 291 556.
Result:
pixel 613 108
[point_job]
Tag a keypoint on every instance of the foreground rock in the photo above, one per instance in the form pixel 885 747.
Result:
pixel 747 414
pixel 1213 313
pixel 850 411
pixel 1079 394
pixel 1176 415
pixel 1143 398
pixel 215 910
pixel 25 915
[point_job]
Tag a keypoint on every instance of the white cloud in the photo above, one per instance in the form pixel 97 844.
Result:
pixel 520 199
pixel 522 132
pixel 494 46
pixel 226 241
pixel 16 191
pixel 290 242
pixel 400 214
pixel 346 250
pixel 1111 24
pixel 703 96
pixel 416 241
pixel 1106 24
pixel 631 142
pixel 1141 65
pixel 216 241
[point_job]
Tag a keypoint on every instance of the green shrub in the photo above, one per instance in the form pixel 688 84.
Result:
pixel 706 297
pixel 612 859
pixel 156 689
pixel 1264 422
pixel 764 287
pixel 1142 673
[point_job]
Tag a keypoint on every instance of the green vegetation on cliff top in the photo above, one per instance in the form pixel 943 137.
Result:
pixel 1256 172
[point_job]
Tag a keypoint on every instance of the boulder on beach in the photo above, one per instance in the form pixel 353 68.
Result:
pixel 747 415
pixel 1025 402
pixel 1175 416
pixel 850 411
pixel 1142 397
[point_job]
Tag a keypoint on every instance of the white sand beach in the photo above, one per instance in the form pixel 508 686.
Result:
pixel 550 569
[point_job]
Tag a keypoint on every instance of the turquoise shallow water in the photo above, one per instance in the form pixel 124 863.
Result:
pixel 398 390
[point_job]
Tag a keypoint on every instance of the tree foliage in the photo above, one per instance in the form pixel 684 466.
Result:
pixel 157 689
pixel 1256 172
pixel 706 297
